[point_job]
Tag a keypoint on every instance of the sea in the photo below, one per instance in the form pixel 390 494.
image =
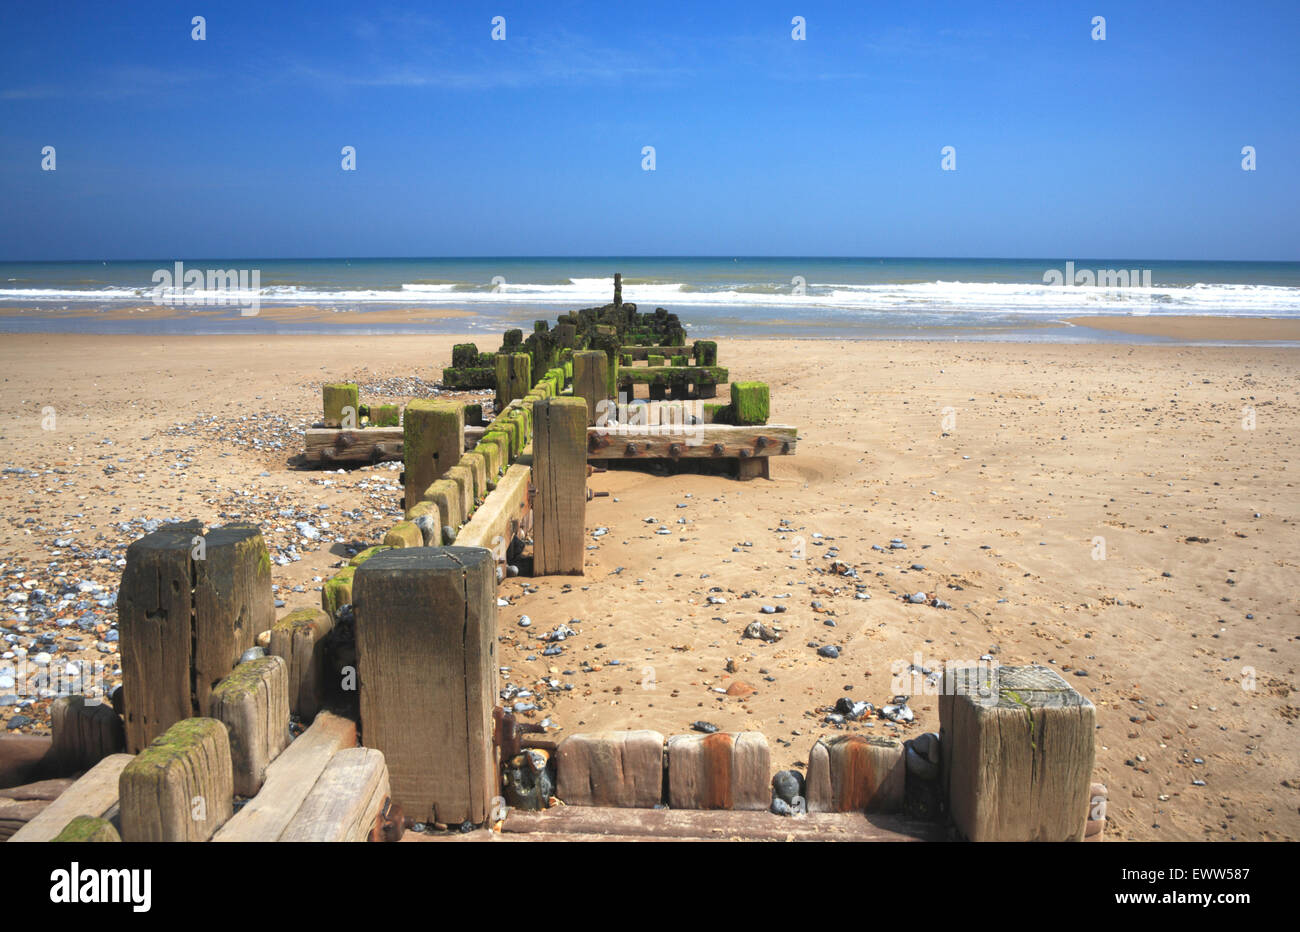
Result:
pixel 723 296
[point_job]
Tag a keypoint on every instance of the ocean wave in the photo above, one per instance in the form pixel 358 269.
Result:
pixel 828 298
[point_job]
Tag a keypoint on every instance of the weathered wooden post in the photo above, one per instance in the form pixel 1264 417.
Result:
pixel 179 788
pixel 84 734
pixel 855 773
pixel 560 477
pixel 514 377
pixel 299 638
pixel 190 604
pixel 426 649
pixel 433 438
pixel 618 291
pixel 1018 751
pixel 253 703
pixel 590 376
pixel 342 404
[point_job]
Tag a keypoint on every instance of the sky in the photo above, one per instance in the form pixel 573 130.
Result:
pixel 1128 147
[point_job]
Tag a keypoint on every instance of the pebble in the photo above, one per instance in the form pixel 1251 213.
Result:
pixel 707 727
pixel 758 631
pixel 829 650
pixel 899 713
pixel 787 784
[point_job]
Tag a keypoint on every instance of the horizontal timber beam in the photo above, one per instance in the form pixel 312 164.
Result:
pixel 698 441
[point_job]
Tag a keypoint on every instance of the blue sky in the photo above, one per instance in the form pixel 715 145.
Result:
pixel 230 147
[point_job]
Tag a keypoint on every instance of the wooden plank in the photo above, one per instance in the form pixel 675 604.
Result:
pixel 289 779
pixel 95 794
pixel 24 758
pixel 346 800
pixel 705 441
pixel 15 814
pixel 560 477
pixel 84 734
pixel 253 703
pixel 644 352
pixel 501 516
pixel 1018 752
pixel 47 790
pixel 719 824
pixel 426 642
pixel 180 788
pixel 328 446
pixel 19 805
pixel 155 620
pixel 433 439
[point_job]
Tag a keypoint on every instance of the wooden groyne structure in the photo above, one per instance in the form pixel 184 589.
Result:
pixel 378 710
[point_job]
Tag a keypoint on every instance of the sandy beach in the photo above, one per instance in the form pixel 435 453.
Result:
pixel 1127 513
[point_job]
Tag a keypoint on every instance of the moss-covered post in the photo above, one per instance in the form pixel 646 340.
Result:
pixel 560 477
pixel 476 463
pixel 491 454
pixel 386 416
pixel 426 651
pixel 253 703
pixel 181 787
pixel 749 403
pixel 337 591
pixel 404 534
pixel 514 377
pixel 433 439
pixel 705 352
pixel 84 828
pixel 342 402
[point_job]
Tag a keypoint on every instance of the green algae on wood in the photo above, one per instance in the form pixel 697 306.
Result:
pixel 84 828
pixel 336 397
pixel 749 402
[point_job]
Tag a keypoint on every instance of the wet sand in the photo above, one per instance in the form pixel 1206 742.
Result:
pixel 1199 329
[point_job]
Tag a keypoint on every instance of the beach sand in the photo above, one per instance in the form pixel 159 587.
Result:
pixel 1006 469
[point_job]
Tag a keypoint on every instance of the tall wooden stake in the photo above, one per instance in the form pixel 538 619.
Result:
pixel 426 651
pixel 560 476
